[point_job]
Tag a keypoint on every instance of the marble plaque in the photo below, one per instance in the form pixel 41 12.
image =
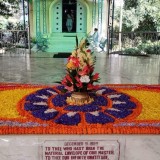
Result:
pixel 81 150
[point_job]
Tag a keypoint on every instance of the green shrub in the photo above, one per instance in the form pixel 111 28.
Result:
pixel 132 51
pixel 148 48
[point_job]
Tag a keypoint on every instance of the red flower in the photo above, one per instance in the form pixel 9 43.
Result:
pixel 92 87
pixel 88 50
pixel 86 70
pixel 69 88
pixel 69 79
pixel 95 77
pixel 64 81
pixel 79 83
pixel 74 60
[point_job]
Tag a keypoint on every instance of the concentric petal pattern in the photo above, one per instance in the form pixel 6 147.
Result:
pixel 108 106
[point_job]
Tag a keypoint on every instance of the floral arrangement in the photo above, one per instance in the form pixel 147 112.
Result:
pixel 80 68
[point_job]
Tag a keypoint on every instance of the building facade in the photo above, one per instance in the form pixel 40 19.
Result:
pixel 59 21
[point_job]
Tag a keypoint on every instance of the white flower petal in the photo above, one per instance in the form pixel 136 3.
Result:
pixel 113 109
pixel 100 91
pixel 43 97
pixel 114 96
pixel 50 110
pixel 71 114
pixel 118 102
pixel 96 113
pixel 40 103
pixel 52 92
pixel 85 79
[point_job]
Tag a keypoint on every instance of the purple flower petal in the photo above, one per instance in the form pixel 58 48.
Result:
pixel 44 116
pixel 60 100
pixel 99 100
pixel 34 98
pixel 32 107
pixel 60 88
pixel 107 90
pixel 119 114
pixel 101 118
pixel 83 108
pixel 127 105
pixel 122 97
pixel 46 92
pixel 68 120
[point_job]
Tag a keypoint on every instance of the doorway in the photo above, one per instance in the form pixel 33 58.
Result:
pixel 69 15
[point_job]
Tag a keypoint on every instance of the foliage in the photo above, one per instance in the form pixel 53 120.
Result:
pixel 140 15
pixel 147 24
pixel 11 10
pixel 144 48
pixel 42 42
pixel 80 68
pixel 130 4
pixel 13 26
pixel 150 47
pixel 132 51
pixel 8 7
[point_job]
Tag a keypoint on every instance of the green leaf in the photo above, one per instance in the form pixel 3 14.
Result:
pixel 76 41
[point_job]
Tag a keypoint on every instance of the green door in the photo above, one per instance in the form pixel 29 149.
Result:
pixel 57 17
pixel 81 17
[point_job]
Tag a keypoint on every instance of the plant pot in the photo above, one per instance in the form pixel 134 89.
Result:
pixel 79 98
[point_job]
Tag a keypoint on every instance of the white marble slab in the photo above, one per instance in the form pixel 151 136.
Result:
pixel 133 147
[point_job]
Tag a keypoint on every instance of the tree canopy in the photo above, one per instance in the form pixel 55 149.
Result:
pixel 140 15
pixel 8 7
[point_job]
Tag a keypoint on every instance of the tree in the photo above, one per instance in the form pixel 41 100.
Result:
pixel 8 7
pixel 130 4
pixel 147 24
pixel 141 15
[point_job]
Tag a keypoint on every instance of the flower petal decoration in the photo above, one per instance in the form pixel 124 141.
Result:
pixel 100 118
pixel 119 96
pixel 60 87
pixel 47 92
pixel 120 113
pixel 127 105
pixel 122 106
pixel 30 109
pixel 83 108
pixel 99 100
pixel 35 98
pixel 105 90
pixel 60 100
pixel 33 107
pixel 69 119
pixel 45 114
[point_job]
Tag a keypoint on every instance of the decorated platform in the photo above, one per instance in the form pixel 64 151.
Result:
pixel 116 109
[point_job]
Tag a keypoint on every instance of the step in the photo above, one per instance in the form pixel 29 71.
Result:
pixel 68 34
pixel 63 42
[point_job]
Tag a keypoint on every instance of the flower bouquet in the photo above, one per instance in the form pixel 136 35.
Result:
pixel 80 77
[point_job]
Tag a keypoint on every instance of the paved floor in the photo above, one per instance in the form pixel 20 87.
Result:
pixel 23 68
pixel 113 69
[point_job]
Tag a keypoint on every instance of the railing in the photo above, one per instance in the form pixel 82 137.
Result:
pixel 145 42
pixel 13 41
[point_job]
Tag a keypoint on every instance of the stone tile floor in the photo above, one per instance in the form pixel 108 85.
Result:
pixel 113 69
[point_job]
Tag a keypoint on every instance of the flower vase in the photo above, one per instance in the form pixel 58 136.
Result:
pixel 79 98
